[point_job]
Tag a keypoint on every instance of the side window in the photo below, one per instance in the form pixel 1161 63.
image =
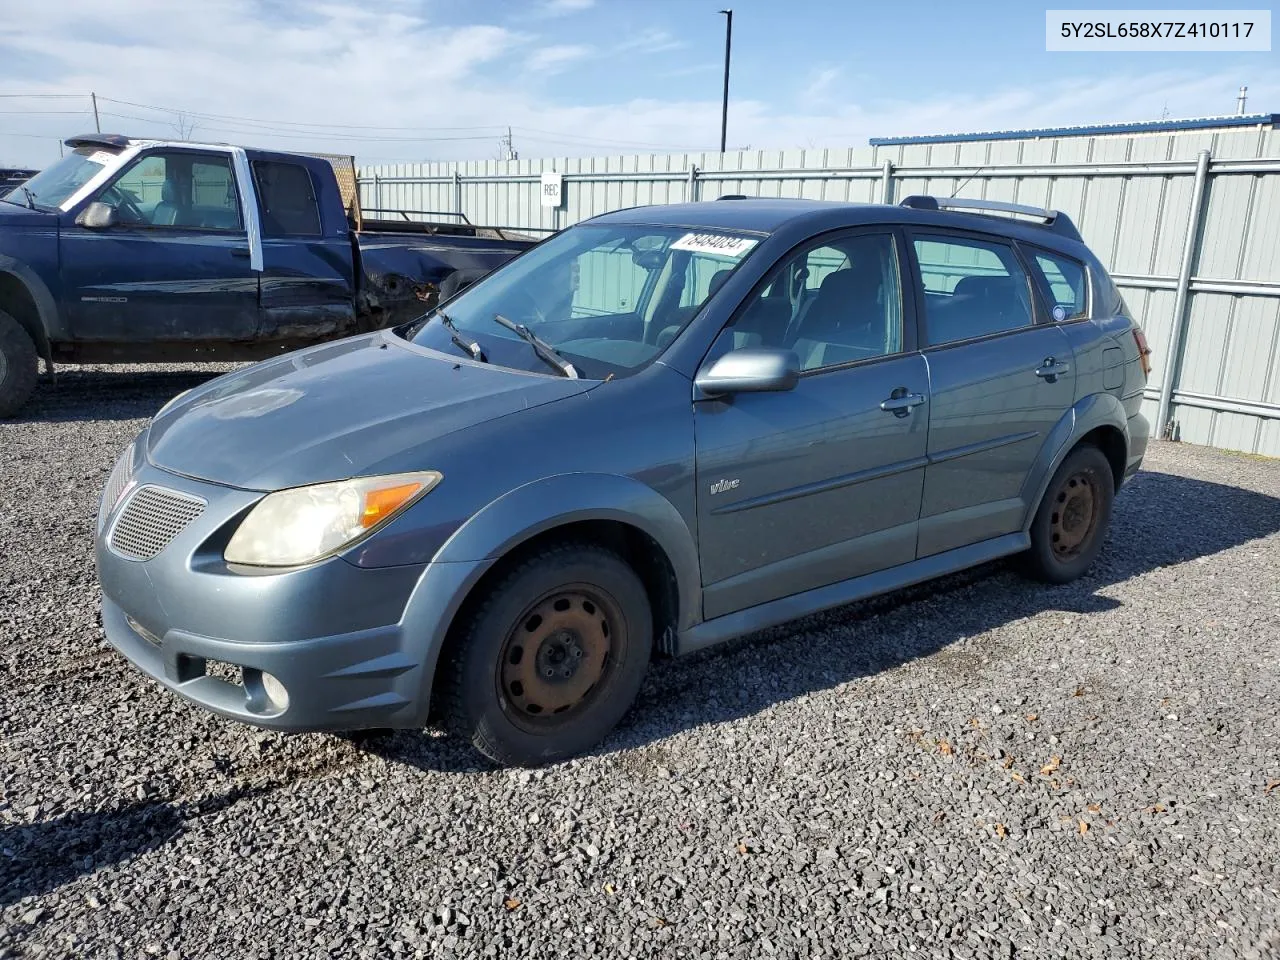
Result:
pixel 182 190
pixel 1067 284
pixel 972 288
pixel 214 202
pixel 851 310
pixel 288 199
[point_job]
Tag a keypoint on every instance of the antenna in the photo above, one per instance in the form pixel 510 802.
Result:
pixel 1241 100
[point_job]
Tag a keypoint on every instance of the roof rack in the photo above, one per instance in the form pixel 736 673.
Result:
pixel 1055 220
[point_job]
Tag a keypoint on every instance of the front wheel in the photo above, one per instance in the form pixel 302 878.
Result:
pixel 1071 523
pixel 18 366
pixel 551 658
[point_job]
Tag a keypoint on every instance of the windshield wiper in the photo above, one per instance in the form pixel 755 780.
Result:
pixel 543 349
pixel 459 340
pixel 31 197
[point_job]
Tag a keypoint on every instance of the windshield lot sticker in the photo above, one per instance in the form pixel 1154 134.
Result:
pixel 715 243
pixel 101 157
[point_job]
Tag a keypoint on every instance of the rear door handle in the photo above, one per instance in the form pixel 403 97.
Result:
pixel 241 252
pixel 901 402
pixel 1051 368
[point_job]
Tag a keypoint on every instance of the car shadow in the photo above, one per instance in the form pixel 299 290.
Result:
pixel 1159 520
pixel 107 393
pixel 42 856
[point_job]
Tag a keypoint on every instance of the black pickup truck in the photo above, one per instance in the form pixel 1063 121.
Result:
pixel 143 251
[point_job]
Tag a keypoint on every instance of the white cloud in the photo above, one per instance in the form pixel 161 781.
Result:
pixel 556 58
pixel 557 7
pixel 819 85
pixel 650 41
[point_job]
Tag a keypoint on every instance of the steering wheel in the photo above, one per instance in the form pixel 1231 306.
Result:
pixel 122 201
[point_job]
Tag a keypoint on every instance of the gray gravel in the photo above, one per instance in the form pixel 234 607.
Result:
pixel 981 768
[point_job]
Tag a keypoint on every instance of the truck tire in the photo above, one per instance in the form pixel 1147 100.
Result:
pixel 18 366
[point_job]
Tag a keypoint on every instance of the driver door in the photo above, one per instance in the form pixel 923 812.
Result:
pixel 803 488
pixel 175 267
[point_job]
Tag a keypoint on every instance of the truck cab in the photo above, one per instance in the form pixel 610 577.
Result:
pixel 156 251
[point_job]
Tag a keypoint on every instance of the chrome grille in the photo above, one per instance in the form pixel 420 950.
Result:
pixel 151 518
pixel 120 474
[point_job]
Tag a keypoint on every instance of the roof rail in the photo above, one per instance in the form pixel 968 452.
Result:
pixel 1055 220
pixel 735 196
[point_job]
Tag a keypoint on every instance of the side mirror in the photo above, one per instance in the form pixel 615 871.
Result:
pixel 751 370
pixel 98 216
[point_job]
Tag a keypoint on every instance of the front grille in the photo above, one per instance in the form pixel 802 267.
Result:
pixel 120 475
pixel 151 518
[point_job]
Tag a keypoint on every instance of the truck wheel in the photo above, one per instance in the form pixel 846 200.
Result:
pixel 18 366
pixel 551 658
pixel 1071 523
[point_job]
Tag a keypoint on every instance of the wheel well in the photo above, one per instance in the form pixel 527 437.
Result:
pixel 640 550
pixel 16 300
pixel 1111 442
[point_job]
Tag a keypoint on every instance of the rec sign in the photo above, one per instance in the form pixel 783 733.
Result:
pixel 552 189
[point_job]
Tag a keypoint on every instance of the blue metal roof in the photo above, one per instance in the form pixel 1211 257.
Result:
pixel 1141 126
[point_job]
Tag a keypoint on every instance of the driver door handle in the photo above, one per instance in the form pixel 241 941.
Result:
pixel 901 402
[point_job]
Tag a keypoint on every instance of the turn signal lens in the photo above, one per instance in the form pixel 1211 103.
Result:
pixel 381 504
pixel 1144 351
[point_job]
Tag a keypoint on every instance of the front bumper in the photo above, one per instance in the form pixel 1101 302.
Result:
pixel 353 647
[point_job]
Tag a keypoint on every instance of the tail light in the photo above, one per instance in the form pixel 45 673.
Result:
pixel 1144 351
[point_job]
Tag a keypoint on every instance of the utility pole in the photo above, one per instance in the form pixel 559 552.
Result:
pixel 1241 100
pixel 724 110
pixel 508 147
pixel 97 125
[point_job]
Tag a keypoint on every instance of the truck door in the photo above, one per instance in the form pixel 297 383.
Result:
pixel 308 283
pixel 174 266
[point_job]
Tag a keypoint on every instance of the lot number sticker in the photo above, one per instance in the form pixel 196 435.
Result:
pixel 714 243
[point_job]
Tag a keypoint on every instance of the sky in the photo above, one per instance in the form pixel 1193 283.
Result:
pixel 412 80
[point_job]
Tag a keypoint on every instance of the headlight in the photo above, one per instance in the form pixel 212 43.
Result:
pixel 305 524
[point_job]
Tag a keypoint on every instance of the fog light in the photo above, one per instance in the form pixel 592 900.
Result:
pixel 275 691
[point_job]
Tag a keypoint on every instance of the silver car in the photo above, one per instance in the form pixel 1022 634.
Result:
pixel 657 430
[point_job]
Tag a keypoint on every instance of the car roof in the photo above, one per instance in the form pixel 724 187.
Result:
pixel 771 214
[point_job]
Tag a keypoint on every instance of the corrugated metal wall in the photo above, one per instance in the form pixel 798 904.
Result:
pixel 1210 307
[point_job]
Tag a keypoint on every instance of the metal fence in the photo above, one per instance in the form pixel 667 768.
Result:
pixel 1188 223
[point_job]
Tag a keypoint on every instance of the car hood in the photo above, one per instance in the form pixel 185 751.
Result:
pixel 335 411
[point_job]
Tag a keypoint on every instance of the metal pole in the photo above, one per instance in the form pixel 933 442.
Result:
pixel 724 110
pixel 691 188
pixel 97 125
pixel 886 182
pixel 457 192
pixel 1180 303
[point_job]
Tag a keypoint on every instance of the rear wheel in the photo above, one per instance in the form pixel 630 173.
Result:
pixel 18 366
pixel 1071 523
pixel 551 658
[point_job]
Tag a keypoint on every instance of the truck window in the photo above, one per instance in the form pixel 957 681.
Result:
pixel 288 199
pixel 177 190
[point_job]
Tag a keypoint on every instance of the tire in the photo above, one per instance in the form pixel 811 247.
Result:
pixel 18 366
pixel 551 658
pixel 1071 522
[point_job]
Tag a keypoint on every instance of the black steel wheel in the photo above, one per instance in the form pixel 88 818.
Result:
pixel 1071 522
pixel 551 657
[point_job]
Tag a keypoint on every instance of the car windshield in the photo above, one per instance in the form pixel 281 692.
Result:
pixel 607 297
pixel 54 184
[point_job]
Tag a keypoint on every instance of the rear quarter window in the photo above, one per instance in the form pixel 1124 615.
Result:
pixel 1065 283
pixel 288 199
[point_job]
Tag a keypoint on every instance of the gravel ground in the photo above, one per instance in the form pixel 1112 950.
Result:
pixel 981 768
